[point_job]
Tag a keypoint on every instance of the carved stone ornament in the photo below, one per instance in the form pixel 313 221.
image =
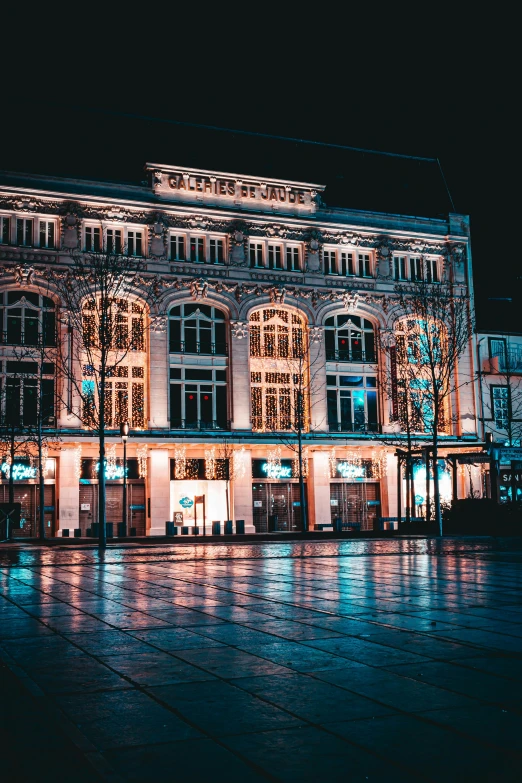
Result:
pixel 350 300
pixel 316 334
pixel 199 289
pixel 24 274
pixel 277 295
pixel 159 323
pixel 239 329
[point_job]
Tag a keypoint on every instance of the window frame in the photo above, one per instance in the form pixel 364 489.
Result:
pixel 345 391
pixel 263 253
pixel 217 347
pixel 183 382
pixel 368 355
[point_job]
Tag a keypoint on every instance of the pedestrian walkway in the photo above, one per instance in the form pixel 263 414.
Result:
pixel 310 661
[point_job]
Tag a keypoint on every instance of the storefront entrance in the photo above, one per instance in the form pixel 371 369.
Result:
pixel 135 506
pixel 276 507
pixel 28 496
pixel 356 503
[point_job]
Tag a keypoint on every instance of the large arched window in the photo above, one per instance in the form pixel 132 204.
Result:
pixel 126 364
pixel 197 328
pixel 27 318
pixel 349 338
pixel 279 370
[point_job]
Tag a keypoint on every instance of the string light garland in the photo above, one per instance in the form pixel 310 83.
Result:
pixel 274 462
pixel 295 463
pixel 239 463
pixel 142 454
pixel 332 463
pixel 180 465
pixel 210 463
pixel 110 458
pixel 77 457
pixel 45 457
pixel 379 465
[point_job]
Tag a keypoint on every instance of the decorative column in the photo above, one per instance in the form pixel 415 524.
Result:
pixel 68 489
pixel 159 375
pixel 318 409
pixel 159 491
pixel 242 494
pixel 240 376
pixel 319 479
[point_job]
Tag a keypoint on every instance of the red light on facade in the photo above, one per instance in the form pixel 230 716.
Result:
pixel 191 396
pixel 205 397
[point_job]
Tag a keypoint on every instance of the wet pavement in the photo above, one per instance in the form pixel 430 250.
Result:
pixel 381 660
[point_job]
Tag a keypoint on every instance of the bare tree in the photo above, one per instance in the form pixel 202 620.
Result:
pixel 107 299
pixel 433 330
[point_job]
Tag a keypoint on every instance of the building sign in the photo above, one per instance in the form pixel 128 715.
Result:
pixel 347 470
pixel 209 186
pixel 509 454
pixel 186 502
pixel 472 459
pixel 91 467
pixel 25 471
pixel 262 468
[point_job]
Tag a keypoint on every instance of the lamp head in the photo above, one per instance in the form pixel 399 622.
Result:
pixel 124 430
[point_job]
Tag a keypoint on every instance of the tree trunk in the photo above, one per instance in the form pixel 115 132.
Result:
pixel 436 488
pixel 102 495
pixel 408 494
pixel 302 494
pixel 41 487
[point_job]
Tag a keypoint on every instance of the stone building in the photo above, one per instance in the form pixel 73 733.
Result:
pixel 250 270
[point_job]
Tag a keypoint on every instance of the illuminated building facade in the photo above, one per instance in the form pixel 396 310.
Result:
pixel 270 303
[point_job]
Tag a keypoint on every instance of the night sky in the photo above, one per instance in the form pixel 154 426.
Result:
pixel 426 87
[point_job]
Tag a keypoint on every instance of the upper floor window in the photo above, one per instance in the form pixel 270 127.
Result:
pixel 5 230
pixel 347 263
pixel 27 318
pixel 135 243
pixel 276 333
pixel 26 393
pixel 349 338
pixel 114 240
pixel 24 232
pixel 500 406
pixel 282 256
pixel 416 268
pixel 124 394
pixel 47 232
pixel 93 239
pixel 198 398
pixel 125 328
pixel 197 328
pixel 197 249
pixel 352 403
pixel 216 251
pixel 177 247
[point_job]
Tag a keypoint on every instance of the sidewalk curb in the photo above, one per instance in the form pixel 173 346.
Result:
pixel 63 724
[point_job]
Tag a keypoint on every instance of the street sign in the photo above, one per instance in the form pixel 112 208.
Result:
pixel 510 454
pixel 472 459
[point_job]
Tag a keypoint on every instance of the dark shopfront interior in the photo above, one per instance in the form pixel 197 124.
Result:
pixel 136 501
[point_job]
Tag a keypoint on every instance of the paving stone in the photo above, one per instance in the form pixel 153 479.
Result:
pixel 180 638
pixel 229 662
pixel 155 668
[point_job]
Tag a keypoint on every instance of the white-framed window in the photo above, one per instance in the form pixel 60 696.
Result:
pixel 275 255
pixel 256 254
pixel 400 268
pixel 24 232
pixel 346 263
pixel 114 240
pixel 432 270
pixel 93 239
pixel 47 233
pixel 5 230
pixel 364 265
pixel 330 262
pixel 197 249
pixel 134 243
pixel 293 259
pixel 177 247
pixel 216 250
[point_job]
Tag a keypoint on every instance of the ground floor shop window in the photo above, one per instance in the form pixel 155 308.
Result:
pixel 276 507
pixel 28 496
pixel 356 504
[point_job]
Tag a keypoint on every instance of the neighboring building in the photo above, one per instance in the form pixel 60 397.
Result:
pixel 499 359
pixel 251 269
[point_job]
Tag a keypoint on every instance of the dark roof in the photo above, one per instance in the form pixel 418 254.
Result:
pixel 98 146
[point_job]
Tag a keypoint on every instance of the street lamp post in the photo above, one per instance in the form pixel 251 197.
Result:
pixel 124 432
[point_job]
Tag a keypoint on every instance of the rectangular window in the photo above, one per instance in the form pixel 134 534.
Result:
pixel 24 232
pixel 292 259
pixel 177 247
pixel 114 243
pixel 197 249
pixel 5 230
pixel 256 253
pixel 92 239
pixel 346 264
pixel 274 257
pixel 416 270
pixel 217 251
pixel 330 265
pixel 432 270
pixel 47 228
pixel 500 406
pixel 400 267
pixel 364 265
pixel 352 409
pixel 135 243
